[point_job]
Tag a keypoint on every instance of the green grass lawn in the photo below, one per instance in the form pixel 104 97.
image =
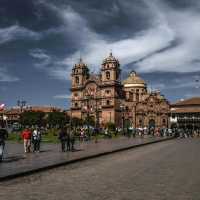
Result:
pixel 51 136
pixel 15 137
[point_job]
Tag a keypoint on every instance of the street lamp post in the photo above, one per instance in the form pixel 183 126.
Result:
pixel 70 119
pixel 21 104
pixel 88 115
pixel 122 110
pixel 193 118
pixel 135 110
pixel 97 121
pixel 185 120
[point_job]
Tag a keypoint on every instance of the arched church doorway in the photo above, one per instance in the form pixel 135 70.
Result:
pixel 152 123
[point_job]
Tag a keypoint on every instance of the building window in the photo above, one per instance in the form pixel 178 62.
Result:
pixel 164 121
pixel 107 91
pixel 108 75
pixel 130 96
pixel 76 105
pixel 137 96
pixel 107 102
pixel 77 80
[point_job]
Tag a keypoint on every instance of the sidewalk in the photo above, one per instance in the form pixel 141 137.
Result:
pixel 16 163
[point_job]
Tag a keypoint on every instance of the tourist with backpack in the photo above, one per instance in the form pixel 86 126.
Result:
pixel 36 139
pixel 63 139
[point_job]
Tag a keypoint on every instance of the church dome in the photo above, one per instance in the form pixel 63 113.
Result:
pixel 110 59
pixel 134 81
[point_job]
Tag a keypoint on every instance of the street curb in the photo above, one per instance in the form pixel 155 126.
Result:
pixel 29 172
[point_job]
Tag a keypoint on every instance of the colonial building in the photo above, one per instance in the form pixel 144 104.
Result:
pixel 186 113
pixel 13 114
pixel 108 99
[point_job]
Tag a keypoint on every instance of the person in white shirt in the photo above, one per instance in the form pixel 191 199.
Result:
pixel 36 139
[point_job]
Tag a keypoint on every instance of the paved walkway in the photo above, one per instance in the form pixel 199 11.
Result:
pixel 17 163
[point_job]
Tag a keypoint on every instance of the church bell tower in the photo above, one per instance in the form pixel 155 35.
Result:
pixel 111 89
pixel 80 75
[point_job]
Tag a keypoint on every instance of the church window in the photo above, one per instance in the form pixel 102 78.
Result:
pixel 107 102
pixel 107 75
pixel 76 105
pixel 164 121
pixel 107 91
pixel 130 96
pixel 137 96
pixel 77 80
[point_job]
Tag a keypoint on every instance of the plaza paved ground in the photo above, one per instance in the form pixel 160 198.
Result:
pixel 16 162
pixel 161 171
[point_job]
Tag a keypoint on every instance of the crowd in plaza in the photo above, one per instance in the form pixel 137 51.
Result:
pixel 33 138
pixel 67 136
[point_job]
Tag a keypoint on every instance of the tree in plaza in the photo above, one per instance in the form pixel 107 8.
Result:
pixel 30 118
pixel 110 126
pixel 57 119
pixel 127 124
pixel 89 120
pixel 75 122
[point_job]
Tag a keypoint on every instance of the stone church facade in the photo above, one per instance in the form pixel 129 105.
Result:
pixel 106 98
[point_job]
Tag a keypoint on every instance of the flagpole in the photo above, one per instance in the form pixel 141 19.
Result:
pixel 2 106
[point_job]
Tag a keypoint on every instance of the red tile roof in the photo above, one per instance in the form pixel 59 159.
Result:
pixel 185 110
pixel 192 101
pixel 45 109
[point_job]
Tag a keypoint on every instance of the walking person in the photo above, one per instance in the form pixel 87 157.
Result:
pixel 3 137
pixel 72 139
pixel 26 136
pixel 63 139
pixel 82 135
pixel 68 140
pixel 36 139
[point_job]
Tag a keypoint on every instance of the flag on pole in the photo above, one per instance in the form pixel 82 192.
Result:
pixel 2 106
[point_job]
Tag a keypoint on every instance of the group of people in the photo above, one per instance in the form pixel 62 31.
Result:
pixel 67 139
pixel 31 138
pixel 187 133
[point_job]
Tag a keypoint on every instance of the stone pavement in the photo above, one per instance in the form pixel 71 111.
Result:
pixel 16 163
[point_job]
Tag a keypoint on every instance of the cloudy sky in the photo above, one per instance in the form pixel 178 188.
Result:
pixel 40 41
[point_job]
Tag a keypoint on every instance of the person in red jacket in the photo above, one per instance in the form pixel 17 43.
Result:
pixel 26 136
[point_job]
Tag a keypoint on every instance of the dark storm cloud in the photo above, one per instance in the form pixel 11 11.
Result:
pixel 115 19
pixel 40 40
pixel 28 14
pixel 183 4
